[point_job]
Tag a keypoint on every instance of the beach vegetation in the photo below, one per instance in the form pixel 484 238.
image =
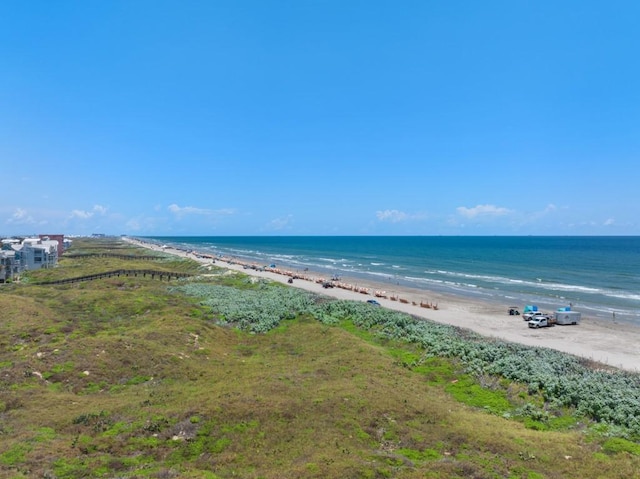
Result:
pixel 562 381
pixel 134 377
pixel 617 445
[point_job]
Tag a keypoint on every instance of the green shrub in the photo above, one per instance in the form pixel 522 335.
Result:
pixel 15 455
pixel 561 380
pixel 617 445
pixel 424 455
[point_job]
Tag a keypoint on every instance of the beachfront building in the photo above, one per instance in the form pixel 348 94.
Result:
pixel 36 253
pixel 9 265
pixel 62 243
pixel 9 259
pixel 17 255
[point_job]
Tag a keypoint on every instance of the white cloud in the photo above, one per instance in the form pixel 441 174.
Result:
pixel 280 223
pixel 609 222
pixel 144 223
pixel 187 210
pixel 133 224
pixel 181 211
pixel 482 211
pixel 550 207
pixel 84 215
pixel 396 216
pixel 535 216
pixel 100 209
pixel 81 214
pixel 19 214
pixel 21 217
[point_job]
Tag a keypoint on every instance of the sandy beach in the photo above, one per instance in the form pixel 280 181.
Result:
pixel 608 342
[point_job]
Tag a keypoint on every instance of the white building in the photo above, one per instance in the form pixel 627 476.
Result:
pixel 36 253
pixel 9 265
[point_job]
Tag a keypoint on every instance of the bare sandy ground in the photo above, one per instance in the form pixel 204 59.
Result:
pixel 612 343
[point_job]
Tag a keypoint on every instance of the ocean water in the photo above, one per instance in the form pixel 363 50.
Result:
pixel 598 276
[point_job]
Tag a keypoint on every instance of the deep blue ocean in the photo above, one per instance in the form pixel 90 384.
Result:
pixel 598 276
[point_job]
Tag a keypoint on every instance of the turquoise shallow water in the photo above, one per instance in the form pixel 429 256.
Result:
pixel 598 276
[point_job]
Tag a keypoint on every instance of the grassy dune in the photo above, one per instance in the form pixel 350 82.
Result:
pixel 126 377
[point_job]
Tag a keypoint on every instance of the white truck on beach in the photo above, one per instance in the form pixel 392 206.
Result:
pixel 541 320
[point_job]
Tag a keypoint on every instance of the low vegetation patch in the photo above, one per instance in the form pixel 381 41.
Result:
pixel 222 376
pixel 608 397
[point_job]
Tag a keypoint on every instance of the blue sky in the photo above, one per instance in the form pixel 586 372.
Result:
pixel 320 117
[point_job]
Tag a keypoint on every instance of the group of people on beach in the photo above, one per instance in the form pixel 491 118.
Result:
pixel 332 283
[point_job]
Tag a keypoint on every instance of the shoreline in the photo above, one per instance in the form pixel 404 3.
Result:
pixel 608 342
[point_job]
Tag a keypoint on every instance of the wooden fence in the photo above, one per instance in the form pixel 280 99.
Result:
pixel 114 255
pixel 161 275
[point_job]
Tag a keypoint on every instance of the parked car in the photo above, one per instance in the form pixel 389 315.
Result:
pixel 373 301
pixel 538 316
pixel 532 314
pixel 541 321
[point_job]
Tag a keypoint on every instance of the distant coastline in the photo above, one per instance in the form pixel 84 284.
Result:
pixel 604 341
pixel 596 274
